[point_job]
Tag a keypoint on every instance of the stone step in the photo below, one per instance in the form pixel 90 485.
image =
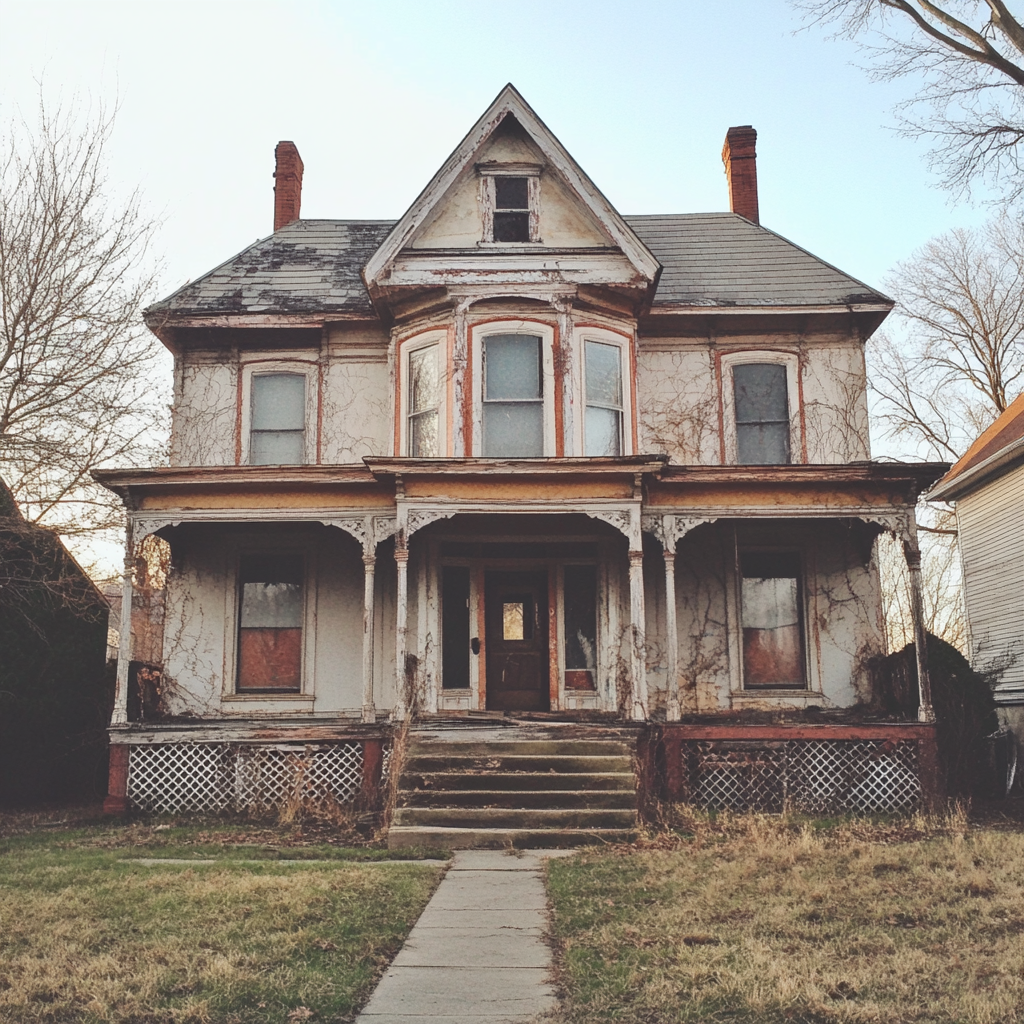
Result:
pixel 402 837
pixel 532 748
pixel 464 781
pixel 624 799
pixel 419 763
pixel 507 817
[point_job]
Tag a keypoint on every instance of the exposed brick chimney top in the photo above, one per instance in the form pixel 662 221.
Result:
pixel 287 184
pixel 740 159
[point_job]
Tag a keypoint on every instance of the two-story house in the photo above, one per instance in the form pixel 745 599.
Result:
pixel 515 456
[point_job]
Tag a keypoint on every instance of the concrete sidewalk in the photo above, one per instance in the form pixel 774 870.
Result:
pixel 477 952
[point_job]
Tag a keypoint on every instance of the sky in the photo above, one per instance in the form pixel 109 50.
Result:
pixel 377 94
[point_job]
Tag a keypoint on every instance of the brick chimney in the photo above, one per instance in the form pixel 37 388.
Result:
pixel 287 184
pixel 740 159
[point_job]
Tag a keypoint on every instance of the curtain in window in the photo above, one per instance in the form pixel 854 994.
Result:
pixel 270 622
pixel 772 620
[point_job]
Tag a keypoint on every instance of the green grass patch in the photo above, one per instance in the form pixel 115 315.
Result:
pixel 758 920
pixel 87 936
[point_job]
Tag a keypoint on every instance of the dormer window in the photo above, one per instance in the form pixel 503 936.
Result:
pixel 511 209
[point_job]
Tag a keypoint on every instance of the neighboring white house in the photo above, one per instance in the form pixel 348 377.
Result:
pixel 987 485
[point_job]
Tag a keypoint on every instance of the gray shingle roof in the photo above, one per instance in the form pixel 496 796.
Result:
pixel 311 266
pixel 709 259
pixel 722 259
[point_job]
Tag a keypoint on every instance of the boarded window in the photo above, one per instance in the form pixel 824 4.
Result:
pixel 580 623
pixel 762 414
pixel 773 650
pixel 511 209
pixel 602 426
pixel 270 623
pixel 455 627
pixel 278 419
pixel 513 425
pixel 424 393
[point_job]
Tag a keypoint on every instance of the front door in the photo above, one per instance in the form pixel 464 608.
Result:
pixel 516 621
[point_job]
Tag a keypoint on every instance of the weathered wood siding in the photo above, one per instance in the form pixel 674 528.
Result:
pixel 991 524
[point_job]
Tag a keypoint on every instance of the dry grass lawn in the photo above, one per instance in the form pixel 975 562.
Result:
pixel 755 919
pixel 87 936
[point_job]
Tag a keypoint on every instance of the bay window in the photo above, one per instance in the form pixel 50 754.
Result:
pixel 513 396
pixel 424 392
pixel 602 426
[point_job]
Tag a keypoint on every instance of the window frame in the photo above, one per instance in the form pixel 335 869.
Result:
pixel 488 201
pixel 624 343
pixel 752 357
pixel 233 619
pixel 406 347
pixel 478 333
pixel 268 368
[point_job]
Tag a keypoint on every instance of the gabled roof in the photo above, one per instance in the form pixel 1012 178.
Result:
pixel 709 260
pixel 509 103
pixel 723 259
pixel 995 451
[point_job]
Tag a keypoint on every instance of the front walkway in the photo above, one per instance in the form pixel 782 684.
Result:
pixel 477 953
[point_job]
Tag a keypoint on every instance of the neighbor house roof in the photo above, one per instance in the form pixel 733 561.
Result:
pixel 708 259
pixel 997 449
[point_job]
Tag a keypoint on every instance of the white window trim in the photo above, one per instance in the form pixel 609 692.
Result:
pixel 268 366
pixel 792 363
pixel 811 692
pixel 488 200
pixel 578 384
pixel 406 347
pixel 232 617
pixel 546 332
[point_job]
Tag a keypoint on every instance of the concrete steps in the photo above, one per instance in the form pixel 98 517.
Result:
pixel 490 789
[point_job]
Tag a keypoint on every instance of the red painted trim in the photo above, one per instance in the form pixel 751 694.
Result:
pixel 117 784
pixel 373 770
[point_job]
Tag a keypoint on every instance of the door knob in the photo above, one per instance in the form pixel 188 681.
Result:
pixel 475 645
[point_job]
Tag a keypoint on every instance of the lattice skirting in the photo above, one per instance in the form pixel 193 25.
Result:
pixel 174 777
pixel 816 776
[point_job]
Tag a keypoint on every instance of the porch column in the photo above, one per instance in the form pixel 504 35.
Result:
pixel 637 659
pixel 401 625
pixel 369 564
pixel 912 553
pixel 672 635
pixel 124 647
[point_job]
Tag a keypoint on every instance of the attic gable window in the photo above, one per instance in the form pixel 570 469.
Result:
pixel 511 199
pixel 511 210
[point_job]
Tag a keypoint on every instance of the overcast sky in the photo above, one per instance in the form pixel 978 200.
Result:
pixel 376 94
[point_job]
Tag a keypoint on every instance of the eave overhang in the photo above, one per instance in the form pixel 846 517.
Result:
pixel 967 481
pixel 666 319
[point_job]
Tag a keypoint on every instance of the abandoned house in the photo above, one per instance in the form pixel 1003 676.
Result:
pixel 518 469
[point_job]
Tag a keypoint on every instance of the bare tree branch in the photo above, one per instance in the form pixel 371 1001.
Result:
pixel 77 367
pixel 969 57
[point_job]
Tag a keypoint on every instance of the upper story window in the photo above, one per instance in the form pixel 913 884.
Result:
pixel 762 425
pixel 424 399
pixel 511 203
pixel 278 419
pixel 513 396
pixel 602 372
pixel 511 209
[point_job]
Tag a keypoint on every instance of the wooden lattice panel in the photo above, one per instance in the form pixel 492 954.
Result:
pixel 815 776
pixel 176 777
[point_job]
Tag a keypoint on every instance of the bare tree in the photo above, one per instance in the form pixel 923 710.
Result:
pixel 956 359
pixel 969 56
pixel 78 387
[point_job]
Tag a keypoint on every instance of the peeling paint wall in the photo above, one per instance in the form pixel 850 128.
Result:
pixel 357 405
pixel 681 399
pixel 203 417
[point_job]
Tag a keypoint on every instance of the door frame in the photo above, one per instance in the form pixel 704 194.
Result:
pixel 612 583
